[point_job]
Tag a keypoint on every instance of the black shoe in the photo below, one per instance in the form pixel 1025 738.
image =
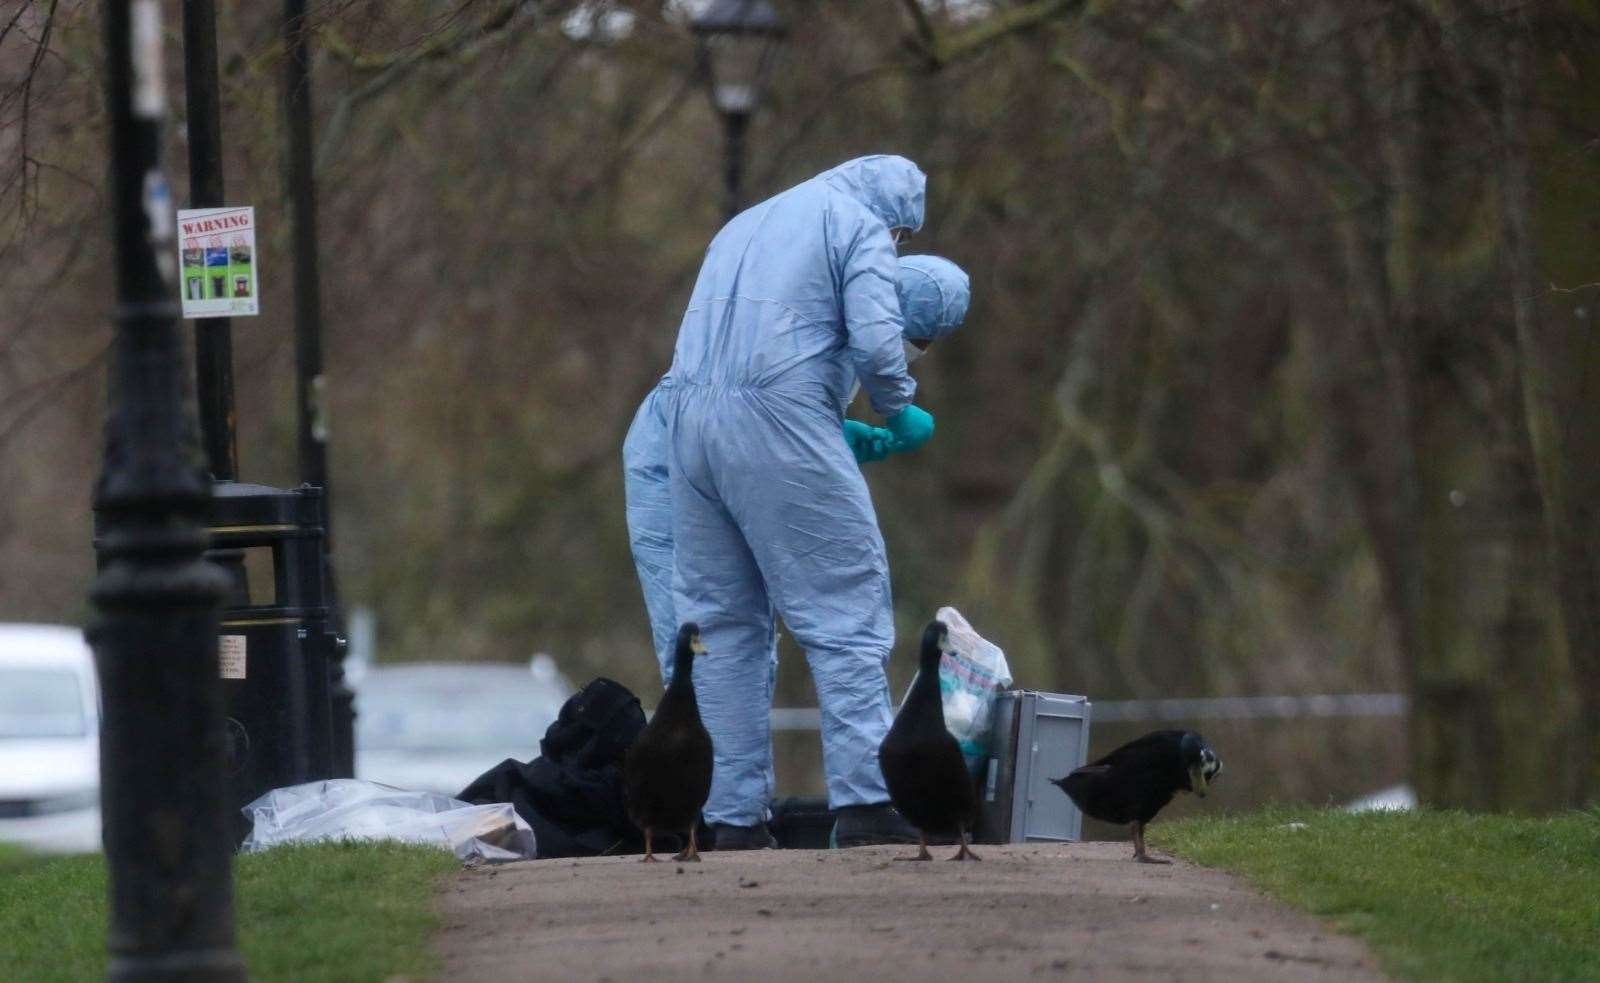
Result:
pixel 728 837
pixel 871 825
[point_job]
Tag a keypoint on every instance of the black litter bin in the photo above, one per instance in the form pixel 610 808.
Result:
pixel 275 652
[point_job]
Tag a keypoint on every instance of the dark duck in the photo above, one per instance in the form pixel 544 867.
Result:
pixel 922 764
pixel 667 772
pixel 1138 779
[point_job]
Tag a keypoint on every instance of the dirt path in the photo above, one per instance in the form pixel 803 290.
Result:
pixel 1027 912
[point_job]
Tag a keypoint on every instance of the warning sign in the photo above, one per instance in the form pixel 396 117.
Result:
pixel 217 254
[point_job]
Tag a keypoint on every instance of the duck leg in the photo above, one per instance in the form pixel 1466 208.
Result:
pixel 966 851
pixel 690 853
pixel 649 854
pixel 1139 853
pixel 922 851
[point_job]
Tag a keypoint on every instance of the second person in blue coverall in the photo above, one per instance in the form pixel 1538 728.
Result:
pixel 795 300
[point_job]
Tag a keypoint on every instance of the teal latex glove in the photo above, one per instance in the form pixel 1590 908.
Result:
pixel 868 444
pixel 911 428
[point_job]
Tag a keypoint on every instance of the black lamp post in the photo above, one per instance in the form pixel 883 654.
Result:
pixel 168 850
pixel 310 383
pixel 738 42
pixel 213 337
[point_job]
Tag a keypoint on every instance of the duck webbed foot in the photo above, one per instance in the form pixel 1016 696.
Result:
pixel 922 848
pixel 1140 854
pixel 690 853
pixel 965 853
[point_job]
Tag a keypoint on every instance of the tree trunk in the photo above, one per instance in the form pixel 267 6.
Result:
pixel 1558 367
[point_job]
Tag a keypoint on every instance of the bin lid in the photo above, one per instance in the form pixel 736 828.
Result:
pixel 237 503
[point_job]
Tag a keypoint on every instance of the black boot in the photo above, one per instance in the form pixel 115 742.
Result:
pixel 871 825
pixel 726 837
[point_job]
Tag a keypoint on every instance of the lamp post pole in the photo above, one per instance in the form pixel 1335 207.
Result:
pixel 168 852
pixel 309 384
pixel 213 338
pixel 733 129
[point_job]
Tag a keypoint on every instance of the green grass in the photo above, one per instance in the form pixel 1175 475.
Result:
pixel 1438 895
pixel 337 911
pixel 13 858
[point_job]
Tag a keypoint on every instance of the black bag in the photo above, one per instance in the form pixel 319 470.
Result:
pixel 572 793
pixel 803 822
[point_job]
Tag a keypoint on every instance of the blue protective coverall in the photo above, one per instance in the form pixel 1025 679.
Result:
pixel 934 294
pixel 795 300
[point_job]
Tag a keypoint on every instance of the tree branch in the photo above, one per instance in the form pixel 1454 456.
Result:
pixel 444 43
pixel 46 391
pixel 1014 20
pixel 927 42
pixel 24 92
pixel 461 45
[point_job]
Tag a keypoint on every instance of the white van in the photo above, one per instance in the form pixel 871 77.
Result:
pixel 49 739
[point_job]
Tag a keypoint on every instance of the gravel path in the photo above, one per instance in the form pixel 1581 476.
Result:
pixel 1029 911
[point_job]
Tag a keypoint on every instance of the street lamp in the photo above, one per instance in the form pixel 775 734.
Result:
pixel 168 853
pixel 738 42
pixel 311 394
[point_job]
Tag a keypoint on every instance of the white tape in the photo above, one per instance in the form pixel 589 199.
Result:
pixel 231 656
pixel 149 88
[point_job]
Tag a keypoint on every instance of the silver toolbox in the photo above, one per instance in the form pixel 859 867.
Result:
pixel 1036 737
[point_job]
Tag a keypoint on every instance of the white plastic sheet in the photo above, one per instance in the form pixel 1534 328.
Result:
pixel 970 682
pixel 351 809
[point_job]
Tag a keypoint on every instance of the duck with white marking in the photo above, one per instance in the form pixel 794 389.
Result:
pixel 1137 780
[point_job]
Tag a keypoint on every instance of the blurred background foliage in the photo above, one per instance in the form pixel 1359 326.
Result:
pixel 1280 375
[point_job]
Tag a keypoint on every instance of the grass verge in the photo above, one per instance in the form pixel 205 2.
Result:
pixel 1438 895
pixel 334 911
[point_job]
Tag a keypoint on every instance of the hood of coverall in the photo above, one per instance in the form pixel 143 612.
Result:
pixel 934 294
pixel 892 188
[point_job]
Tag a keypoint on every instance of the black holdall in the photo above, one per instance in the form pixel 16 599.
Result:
pixel 572 793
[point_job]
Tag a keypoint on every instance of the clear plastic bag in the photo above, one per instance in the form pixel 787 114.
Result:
pixel 971 680
pixel 351 809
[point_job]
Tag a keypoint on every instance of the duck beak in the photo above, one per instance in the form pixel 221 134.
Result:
pixel 1203 773
pixel 697 645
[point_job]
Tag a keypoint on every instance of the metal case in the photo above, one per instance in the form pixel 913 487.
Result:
pixel 1036 737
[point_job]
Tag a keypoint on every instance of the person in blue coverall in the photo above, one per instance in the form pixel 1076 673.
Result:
pixel 934 294
pixel 795 300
